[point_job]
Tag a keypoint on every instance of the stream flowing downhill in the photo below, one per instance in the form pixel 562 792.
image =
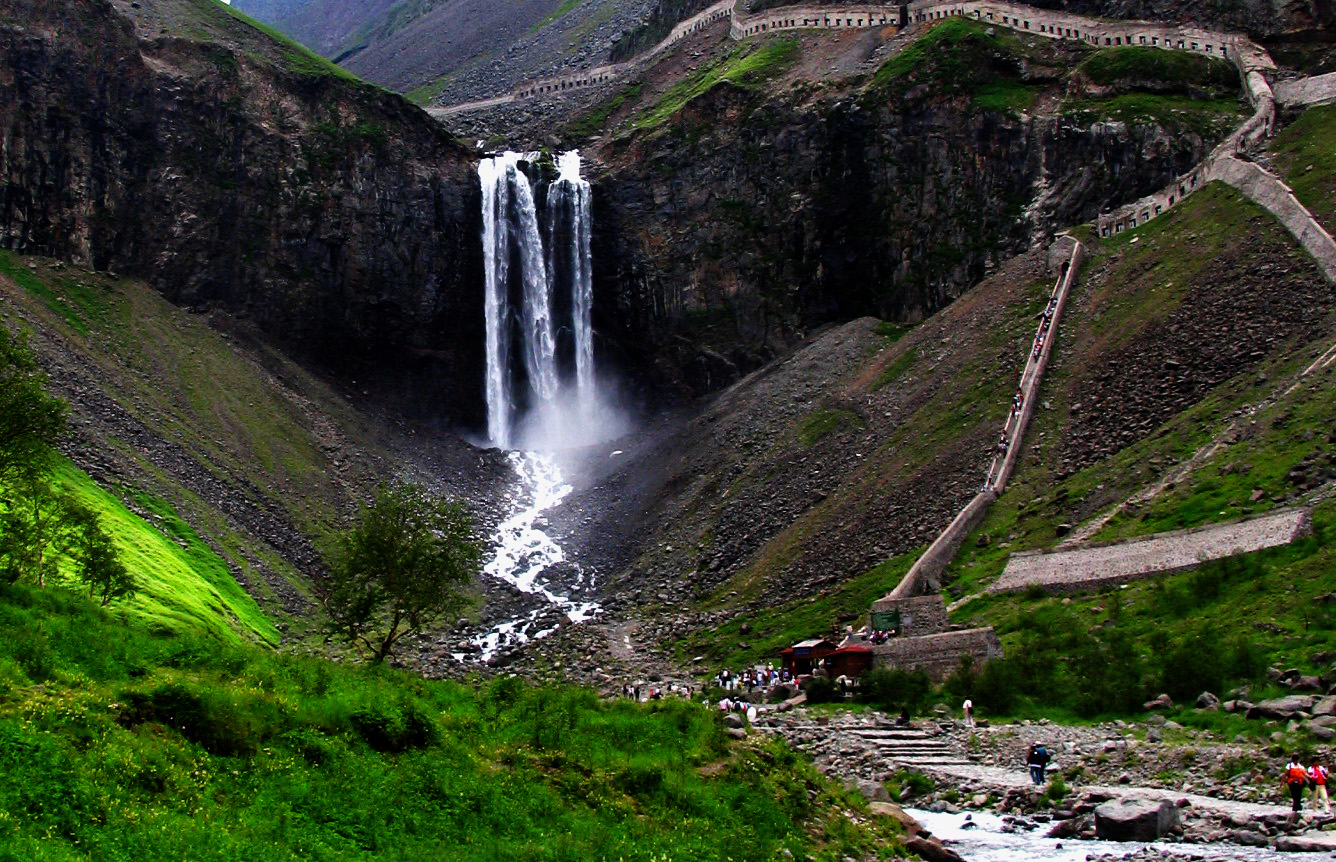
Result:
pixel 541 388
pixel 980 837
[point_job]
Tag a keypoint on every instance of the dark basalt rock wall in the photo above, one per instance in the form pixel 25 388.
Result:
pixel 335 218
pixel 725 238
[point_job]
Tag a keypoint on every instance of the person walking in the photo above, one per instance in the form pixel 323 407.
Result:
pixel 968 708
pixel 1295 779
pixel 1037 759
pixel 1317 779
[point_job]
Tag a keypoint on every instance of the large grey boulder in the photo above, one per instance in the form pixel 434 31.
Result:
pixel 1324 706
pixel 1283 708
pixel 1136 819
pixel 1307 842
pixel 1207 700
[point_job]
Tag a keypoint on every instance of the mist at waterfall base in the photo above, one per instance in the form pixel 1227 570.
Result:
pixel 543 394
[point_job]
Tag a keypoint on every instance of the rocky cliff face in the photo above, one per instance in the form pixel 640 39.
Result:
pixel 171 140
pixel 750 218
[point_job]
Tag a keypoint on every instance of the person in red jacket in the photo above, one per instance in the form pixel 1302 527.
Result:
pixel 1317 778
pixel 1296 777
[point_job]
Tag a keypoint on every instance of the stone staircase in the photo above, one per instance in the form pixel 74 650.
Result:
pixel 911 747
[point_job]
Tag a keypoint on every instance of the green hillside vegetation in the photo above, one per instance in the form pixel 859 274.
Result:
pixel 257 424
pixel 1307 161
pixel 747 66
pixel 118 743
pixel 1210 629
pixel 182 584
pixel 959 56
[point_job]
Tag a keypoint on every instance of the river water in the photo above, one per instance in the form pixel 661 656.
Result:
pixel 528 559
pixel 985 841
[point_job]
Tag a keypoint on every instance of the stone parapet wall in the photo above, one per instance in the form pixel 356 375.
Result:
pixel 1101 565
pixel 938 655
pixel 919 615
pixel 1316 90
pixel 815 17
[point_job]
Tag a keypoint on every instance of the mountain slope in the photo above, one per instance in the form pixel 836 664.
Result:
pixel 230 450
pixel 236 171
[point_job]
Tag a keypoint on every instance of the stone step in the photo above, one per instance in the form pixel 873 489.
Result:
pixel 917 760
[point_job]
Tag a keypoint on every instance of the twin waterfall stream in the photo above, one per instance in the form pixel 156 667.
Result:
pixel 541 391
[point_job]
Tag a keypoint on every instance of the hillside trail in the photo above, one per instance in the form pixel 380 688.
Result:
pixel 636 662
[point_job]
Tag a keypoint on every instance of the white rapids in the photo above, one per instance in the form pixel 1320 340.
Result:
pixel 978 837
pixel 524 552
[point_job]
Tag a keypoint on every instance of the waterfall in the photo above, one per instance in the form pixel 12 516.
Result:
pixel 538 303
pixel 540 386
pixel 568 200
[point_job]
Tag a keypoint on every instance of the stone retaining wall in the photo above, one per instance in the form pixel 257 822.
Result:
pixel 919 615
pixel 924 574
pixel 1095 566
pixel 937 655
pixel 1269 192
pixel 1307 91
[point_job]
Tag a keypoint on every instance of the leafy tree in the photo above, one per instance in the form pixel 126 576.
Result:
pixel 30 419
pixel 35 529
pixel 96 561
pixel 400 568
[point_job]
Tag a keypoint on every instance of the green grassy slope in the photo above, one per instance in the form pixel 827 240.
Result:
pixel 1141 289
pixel 182 425
pixel 118 744
pixel 182 584
pixel 1307 161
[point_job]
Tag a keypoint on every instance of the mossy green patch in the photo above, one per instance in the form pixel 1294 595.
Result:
pixel 960 56
pixel 748 66
pixel 73 301
pixel 183 584
pixel 562 10
pixel 817 424
pixel 896 369
pixel 1142 65
pixel 595 122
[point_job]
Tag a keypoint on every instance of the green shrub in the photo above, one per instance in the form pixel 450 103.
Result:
pixel 820 689
pixel 891 689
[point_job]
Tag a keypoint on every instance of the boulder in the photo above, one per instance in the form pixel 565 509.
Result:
pixel 1162 701
pixel 896 813
pixel 873 791
pixel 1136 819
pixel 1206 700
pixel 732 719
pixel 1324 706
pixel 1307 683
pixel 1248 838
pixel 1306 842
pixel 930 850
pixel 736 732
pixel 1283 707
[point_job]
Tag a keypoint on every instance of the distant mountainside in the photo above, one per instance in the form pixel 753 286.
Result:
pixel 457 49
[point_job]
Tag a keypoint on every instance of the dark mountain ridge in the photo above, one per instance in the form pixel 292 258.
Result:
pixel 171 140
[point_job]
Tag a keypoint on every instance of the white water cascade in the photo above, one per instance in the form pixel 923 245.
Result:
pixel 568 199
pixel 540 383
